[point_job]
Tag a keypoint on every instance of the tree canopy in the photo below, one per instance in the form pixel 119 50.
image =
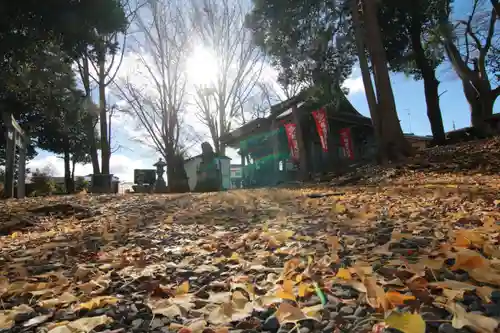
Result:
pixel 308 41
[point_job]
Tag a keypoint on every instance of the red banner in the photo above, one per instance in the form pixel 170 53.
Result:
pixel 322 127
pixel 346 141
pixel 292 140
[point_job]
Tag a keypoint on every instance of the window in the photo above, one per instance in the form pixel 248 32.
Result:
pixel 236 173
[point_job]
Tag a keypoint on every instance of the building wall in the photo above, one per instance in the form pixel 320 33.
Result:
pixel 191 168
pixel 236 176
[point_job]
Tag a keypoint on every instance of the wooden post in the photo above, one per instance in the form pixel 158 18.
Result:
pixel 21 172
pixel 303 172
pixel 275 143
pixel 242 167
pixel 10 154
pixel 14 136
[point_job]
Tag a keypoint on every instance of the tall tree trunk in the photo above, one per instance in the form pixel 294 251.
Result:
pixel 365 69
pixel 73 165
pixel 89 120
pixel 431 84
pixel 105 153
pixel 68 183
pixel 394 144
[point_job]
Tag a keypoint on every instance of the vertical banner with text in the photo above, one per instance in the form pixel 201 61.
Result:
pixel 292 140
pixel 322 127
pixel 346 141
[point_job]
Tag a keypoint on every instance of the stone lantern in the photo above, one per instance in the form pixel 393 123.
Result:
pixel 160 185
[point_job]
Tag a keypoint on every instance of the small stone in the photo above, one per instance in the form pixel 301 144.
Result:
pixel 476 306
pixel 137 323
pixel 157 322
pixel 360 312
pixel 329 328
pixel 446 328
pixel 495 296
pixel 271 324
pixel 332 300
pixel 347 310
pixel 492 310
pixel 304 329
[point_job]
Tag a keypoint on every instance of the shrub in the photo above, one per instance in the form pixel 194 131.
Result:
pixel 42 183
pixel 81 184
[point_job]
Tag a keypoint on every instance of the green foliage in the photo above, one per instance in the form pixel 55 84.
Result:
pixel 42 183
pixel 72 24
pixel 38 50
pixel 81 184
pixel 308 41
pixel 64 130
pixel 398 18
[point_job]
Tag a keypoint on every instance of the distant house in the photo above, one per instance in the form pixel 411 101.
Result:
pixel 236 175
pixel 418 141
pixel 192 164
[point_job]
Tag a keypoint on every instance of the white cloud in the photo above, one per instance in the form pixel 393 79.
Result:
pixel 120 165
pixel 354 82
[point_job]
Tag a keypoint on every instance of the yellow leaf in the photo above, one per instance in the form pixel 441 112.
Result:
pixel 339 208
pixel 284 295
pixel 406 322
pixel 234 257
pixel 283 236
pixel 14 235
pixel 182 289
pixel 288 286
pixel 98 302
pixel 344 274
pixel 303 288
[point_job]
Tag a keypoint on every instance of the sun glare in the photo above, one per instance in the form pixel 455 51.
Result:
pixel 201 67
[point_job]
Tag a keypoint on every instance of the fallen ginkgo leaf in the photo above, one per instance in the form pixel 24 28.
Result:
pixel 406 322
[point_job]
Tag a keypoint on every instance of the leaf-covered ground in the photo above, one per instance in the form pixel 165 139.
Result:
pixel 419 253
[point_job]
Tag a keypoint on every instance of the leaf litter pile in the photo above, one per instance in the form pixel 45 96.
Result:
pixel 418 254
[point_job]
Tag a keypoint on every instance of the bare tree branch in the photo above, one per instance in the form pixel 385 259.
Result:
pixel 155 93
pixel 219 26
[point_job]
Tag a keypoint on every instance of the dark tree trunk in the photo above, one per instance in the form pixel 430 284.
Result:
pixel 393 145
pixel 176 174
pixel 89 121
pixel 431 84
pixel 73 165
pixel 68 182
pixel 105 151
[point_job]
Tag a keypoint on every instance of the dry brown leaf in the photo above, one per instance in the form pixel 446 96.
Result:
pixel 84 325
pixel 485 275
pixel 375 294
pixel 287 313
pixel 476 322
pixel 7 316
pixel 65 298
pixel 468 260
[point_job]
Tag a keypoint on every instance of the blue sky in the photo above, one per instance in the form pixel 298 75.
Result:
pixel 408 93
